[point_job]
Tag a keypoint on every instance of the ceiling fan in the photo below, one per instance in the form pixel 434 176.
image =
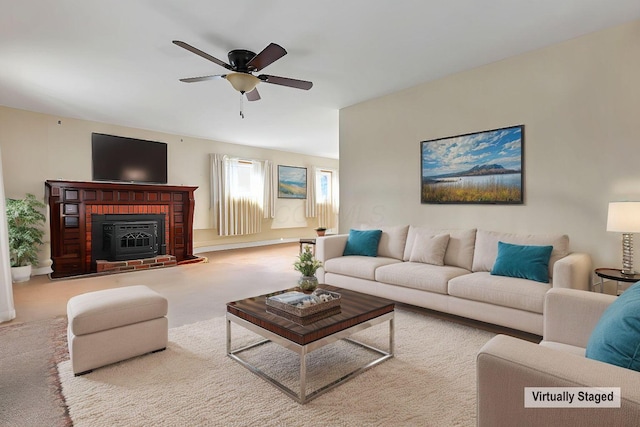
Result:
pixel 242 64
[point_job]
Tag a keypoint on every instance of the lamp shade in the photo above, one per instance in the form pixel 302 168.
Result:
pixel 624 217
pixel 243 82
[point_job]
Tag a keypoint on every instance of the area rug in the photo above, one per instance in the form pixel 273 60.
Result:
pixel 429 382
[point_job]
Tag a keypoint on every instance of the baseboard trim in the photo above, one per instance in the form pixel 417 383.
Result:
pixel 242 245
pixel 41 271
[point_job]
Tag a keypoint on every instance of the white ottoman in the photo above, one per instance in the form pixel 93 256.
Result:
pixel 115 324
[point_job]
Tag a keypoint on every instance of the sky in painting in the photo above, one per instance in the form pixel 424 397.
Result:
pixel 461 153
pixel 292 174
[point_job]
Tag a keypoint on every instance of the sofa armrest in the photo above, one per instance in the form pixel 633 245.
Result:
pixel 573 271
pixel 570 315
pixel 506 365
pixel 328 247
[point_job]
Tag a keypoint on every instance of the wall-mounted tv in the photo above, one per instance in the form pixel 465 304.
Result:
pixel 116 158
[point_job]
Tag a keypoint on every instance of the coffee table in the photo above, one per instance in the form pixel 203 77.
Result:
pixel 357 312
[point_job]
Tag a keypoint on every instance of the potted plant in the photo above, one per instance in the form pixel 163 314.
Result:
pixel 307 265
pixel 320 231
pixel 25 221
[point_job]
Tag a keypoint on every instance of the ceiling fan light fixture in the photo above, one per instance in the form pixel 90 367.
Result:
pixel 243 82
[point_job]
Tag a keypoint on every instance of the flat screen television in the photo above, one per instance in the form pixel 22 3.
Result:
pixel 116 158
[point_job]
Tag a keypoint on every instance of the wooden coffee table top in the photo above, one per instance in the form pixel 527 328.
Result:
pixel 355 308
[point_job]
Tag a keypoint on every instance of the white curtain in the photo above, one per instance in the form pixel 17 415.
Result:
pixel 310 207
pixel 328 210
pixel 325 210
pixel 325 215
pixel 269 204
pixel 7 309
pixel 218 184
pixel 237 195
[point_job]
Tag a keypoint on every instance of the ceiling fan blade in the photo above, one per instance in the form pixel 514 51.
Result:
pixel 285 81
pixel 269 55
pixel 253 95
pixel 202 54
pixel 203 78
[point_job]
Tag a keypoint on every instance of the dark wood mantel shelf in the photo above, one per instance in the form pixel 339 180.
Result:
pixel 71 204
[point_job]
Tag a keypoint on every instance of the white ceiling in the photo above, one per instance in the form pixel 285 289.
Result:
pixel 113 61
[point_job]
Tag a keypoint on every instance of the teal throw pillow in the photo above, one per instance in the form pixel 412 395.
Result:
pixel 616 337
pixel 525 262
pixel 363 242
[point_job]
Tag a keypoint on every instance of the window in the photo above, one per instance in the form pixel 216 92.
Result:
pixel 326 203
pixel 239 194
pixel 240 179
pixel 324 193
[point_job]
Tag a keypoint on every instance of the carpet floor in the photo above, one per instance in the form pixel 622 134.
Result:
pixel 429 382
pixel 28 373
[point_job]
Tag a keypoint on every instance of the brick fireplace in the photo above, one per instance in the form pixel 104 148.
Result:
pixel 77 244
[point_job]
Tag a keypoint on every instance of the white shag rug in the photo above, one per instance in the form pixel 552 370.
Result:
pixel 430 382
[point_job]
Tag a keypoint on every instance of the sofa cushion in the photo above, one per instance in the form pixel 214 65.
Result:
pixel 616 337
pixel 510 292
pixel 459 249
pixel 392 240
pixel 429 249
pixel 362 242
pixel 486 247
pixel 525 262
pixel 416 275
pixel 363 267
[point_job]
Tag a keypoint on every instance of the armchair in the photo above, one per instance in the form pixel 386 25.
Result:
pixel 506 365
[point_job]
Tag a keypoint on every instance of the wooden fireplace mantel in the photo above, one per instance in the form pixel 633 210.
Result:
pixel 71 204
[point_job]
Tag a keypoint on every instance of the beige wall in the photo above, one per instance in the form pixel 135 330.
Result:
pixel 580 104
pixel 37 147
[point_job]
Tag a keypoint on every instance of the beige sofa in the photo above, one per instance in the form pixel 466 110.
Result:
pixel 463 285
pixel 506 365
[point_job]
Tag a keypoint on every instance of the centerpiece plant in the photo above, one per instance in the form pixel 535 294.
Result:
pixel 307 265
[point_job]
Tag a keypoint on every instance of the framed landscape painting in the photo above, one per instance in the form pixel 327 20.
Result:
pixel 292 182
pixel 482 167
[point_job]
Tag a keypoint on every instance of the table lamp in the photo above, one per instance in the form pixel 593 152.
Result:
pixel 624 217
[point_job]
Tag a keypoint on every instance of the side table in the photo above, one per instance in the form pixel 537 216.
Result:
pixel 616 275
pixel 310 242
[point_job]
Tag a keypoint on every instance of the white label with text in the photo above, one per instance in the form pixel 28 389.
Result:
pixel 572 397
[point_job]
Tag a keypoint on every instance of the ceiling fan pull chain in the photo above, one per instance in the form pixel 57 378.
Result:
pixel 241 105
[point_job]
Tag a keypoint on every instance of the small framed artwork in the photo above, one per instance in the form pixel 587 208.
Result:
pixel 482 167
pixel 292 182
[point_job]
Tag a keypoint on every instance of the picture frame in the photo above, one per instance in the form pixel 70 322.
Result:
pixel 292 182
pixel 484 167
